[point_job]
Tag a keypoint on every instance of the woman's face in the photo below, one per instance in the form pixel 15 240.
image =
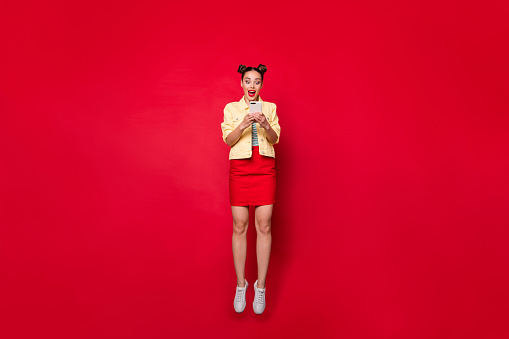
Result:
pixel 252 84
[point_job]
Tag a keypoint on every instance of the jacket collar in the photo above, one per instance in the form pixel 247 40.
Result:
pixel 243 104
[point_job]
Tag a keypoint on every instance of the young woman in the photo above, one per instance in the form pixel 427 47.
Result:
pixel 251 137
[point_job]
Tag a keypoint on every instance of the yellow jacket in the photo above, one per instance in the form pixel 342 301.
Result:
pixel 234 113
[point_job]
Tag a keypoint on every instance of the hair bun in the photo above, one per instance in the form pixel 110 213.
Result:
pixel 262 68
pixel 241 68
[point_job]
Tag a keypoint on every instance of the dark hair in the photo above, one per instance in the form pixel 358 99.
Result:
pixel 260 69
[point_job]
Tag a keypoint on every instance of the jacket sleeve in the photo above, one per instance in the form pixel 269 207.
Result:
pixel 274 123
pixel 227 124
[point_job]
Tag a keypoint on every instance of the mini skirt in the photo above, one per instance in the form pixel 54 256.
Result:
pixel 253 180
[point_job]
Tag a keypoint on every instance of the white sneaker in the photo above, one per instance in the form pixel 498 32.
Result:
pixel 239 303
pixel 259 300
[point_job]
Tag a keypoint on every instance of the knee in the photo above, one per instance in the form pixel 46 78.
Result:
pixel 239 227
pixel 264 228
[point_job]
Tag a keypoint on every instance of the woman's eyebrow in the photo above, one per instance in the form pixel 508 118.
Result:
pixel 250 78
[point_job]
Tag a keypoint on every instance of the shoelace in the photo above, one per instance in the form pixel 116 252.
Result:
pixel 240 294
pixel 259 296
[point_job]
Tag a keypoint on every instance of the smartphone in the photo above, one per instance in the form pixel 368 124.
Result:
pixel 255 106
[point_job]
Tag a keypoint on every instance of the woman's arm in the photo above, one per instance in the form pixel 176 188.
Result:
pixel 234 136
pixel 274 124
pixel 227 124
pixel 271 135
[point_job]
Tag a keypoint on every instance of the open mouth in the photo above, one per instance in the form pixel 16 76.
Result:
pixel 251 93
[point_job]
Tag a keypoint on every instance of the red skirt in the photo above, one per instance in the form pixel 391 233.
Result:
pixel 253 180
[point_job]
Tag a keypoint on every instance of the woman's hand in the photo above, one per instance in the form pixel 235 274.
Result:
pixel 247 121
pixel 260 118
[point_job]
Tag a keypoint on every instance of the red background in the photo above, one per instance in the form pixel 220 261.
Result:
pixel 391 212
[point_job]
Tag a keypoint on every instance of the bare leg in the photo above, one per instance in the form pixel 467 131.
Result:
pixel 239 242
pixel 263 215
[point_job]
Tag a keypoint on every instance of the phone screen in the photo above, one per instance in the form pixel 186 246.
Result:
pixel 255 106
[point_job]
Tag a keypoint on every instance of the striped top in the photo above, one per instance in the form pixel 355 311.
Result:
pixel 254 135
